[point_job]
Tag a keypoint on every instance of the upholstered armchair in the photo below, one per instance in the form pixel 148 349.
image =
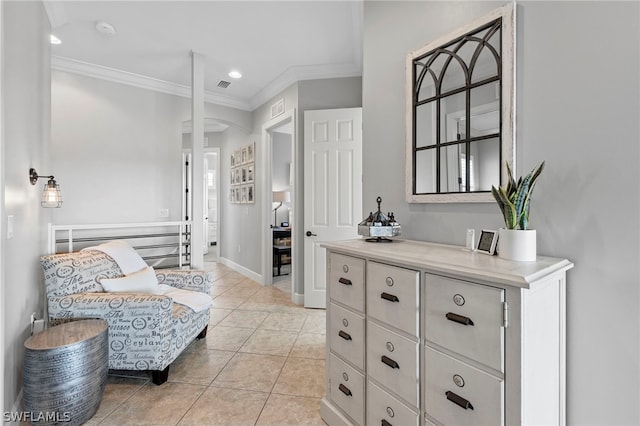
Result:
pixel 148 329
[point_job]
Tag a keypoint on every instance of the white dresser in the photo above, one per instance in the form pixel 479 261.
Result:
pixel 421 334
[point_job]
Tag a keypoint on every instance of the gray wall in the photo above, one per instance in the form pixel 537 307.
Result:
pixel 27 117
pixel 240 224
pixel 577 108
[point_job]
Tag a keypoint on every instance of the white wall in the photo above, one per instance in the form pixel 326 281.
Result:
pixel 577 108
pixel 26 85
pixel 116 150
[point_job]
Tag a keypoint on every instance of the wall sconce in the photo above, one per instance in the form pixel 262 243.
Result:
pixel 280 197
pixel 51 195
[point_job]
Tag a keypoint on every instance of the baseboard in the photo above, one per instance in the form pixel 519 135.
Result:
pixel 241 269
pixel 298 298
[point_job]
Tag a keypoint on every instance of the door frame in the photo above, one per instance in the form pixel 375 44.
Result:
pixel 266 195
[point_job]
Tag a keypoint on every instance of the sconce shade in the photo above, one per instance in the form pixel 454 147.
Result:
pixel 51 196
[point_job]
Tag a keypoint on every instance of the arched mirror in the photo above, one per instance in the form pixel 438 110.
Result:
pixel 460 112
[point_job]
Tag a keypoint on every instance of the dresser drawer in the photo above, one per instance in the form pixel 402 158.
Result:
pixel 393 296
pixel 457 394
pixel 393 360
pixel 466 318
pixel 346 335
pixel 382 407
pixel 347 389
pixel 346 280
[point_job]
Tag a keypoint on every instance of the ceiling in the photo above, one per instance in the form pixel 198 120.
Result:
pixel 272 43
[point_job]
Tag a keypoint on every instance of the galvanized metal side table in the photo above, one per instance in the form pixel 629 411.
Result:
pixel 65 372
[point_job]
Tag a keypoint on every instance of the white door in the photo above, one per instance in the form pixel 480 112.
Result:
pixel 332 190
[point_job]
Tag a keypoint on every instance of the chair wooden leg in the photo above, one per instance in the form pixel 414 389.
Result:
pixel 203 333
pixel 158 377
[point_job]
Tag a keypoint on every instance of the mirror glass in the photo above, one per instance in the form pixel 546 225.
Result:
pixel 460 112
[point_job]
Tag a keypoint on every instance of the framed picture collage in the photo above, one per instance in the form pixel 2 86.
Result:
pixel 243 175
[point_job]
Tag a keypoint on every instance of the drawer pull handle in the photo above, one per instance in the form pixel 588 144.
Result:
pixel 458 400
pixel 459 319
pixel 389 297
pixel 344 281
pixel 345 390
pixel 385 423
pixel 391 363
pixel 344 335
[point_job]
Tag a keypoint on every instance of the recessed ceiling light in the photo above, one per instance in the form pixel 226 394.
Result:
pixel 235 74
pixel 105 28
pixel 55 40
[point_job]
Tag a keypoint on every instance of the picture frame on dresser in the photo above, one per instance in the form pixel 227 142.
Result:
pixel 487 242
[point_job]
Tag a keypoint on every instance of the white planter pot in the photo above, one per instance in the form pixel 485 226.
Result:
pixel 516 244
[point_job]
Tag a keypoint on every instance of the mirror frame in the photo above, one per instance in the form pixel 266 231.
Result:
pixel 507 94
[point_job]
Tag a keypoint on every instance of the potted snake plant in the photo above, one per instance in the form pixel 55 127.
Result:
pixel 516 241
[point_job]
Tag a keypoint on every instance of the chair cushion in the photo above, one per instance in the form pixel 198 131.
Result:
pixel 144 281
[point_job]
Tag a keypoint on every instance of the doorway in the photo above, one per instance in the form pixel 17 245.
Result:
pixel 281 182
pixel 211 200
pixel 211 203
pixel 279 218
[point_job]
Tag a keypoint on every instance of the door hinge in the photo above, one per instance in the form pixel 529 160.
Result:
pixel 505 314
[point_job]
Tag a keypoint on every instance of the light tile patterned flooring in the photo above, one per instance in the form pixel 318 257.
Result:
pixel 262 363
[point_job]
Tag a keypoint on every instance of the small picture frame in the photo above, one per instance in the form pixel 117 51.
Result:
pixel 244 174
pixel 251 194
pixel 244 155
pixel 251 152
pixel 487 242
pixel 250 173
pixel 237 157
pixel 243 194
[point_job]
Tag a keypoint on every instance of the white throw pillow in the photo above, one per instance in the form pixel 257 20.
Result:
pixel 144 281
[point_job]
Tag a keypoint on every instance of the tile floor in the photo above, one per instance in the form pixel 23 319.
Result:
pixel 262 363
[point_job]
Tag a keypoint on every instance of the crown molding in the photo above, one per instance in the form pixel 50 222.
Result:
pixel 300 73
pixel 286 79
pixel 137 80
